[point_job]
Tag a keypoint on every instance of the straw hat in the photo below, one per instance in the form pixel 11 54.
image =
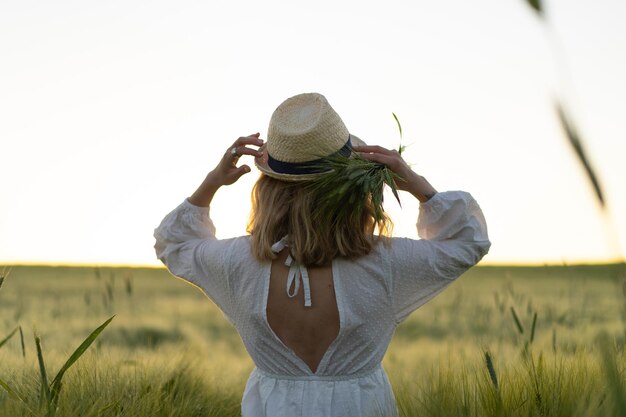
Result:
pixel 303 129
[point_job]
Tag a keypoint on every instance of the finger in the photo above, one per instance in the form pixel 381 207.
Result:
pixel 237 151
pixel 243 150
pixel 373 148
pixel 378 157
pixel 242 170
pixel 232 152
pixel 254 135
pixel 249 140
pixel 257 134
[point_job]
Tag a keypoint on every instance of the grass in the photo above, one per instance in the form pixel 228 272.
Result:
pixel 554 338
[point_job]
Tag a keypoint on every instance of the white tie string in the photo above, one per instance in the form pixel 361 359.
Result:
pixel 296 270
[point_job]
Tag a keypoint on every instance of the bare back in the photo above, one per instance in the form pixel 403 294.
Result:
pixel 308 331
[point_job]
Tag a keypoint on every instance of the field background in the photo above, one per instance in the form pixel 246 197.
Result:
pixel 170 352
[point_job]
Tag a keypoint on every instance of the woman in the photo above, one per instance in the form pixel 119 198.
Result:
pixel 318 350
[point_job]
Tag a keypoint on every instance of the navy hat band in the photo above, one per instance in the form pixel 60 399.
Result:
pixel 308 167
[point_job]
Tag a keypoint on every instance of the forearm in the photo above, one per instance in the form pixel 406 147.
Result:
pixel 204 194
pixel 419 187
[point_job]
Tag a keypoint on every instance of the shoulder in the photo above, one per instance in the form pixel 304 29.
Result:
pixel 239 245
pixel 238 252
pixel 374 263
pixel 224 252
pixel 387 248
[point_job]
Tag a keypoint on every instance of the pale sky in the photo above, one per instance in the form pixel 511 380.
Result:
pixel 111 113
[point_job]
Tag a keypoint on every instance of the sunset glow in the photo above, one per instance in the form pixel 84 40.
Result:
pixel 113 112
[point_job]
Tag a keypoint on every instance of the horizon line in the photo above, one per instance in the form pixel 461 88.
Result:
pixel 152 266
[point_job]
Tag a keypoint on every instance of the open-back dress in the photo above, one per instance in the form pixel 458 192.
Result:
pixel 374 294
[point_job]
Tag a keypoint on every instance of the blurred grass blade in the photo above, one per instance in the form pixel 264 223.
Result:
pixel 45 387
pixel 4 274
pixel 400 147
pixel 518 323
pixel 532 328
pixel 613 375
pixel 575 141
pixel 491 369
pixel 11 392
pixel 79 352
pixel 536 5
pixel 398 122
pixel 6 339
pixel 22 342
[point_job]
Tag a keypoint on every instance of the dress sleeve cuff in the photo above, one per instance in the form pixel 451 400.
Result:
pixel 451 215
pixel 189 205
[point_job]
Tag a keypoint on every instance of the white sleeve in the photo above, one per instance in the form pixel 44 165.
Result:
pixel 454 238
pixel 186 244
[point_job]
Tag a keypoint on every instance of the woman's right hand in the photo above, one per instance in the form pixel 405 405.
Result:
pixel 227 172
pixel 409 180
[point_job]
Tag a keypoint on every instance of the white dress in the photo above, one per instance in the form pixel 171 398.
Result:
pixel 374 294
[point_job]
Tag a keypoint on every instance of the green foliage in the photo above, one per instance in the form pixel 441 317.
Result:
pixel 22 342
pixel 532 328
pixel 614 376
pixel 347 184
pixel 517 321
pixel 128 284
pixel 9 336
pixel 4 274
pixel 492 371
pixel 56 382
pixel 145 336
pixel 101 388
pixel 199 366
pixel 401 147
pixel 45 396
pixel 49 391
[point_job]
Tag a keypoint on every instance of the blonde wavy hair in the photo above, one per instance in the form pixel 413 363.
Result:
pixel 281 208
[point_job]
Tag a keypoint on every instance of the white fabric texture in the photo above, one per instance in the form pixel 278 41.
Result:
pixel 374 294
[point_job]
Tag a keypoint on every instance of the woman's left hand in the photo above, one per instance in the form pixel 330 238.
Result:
pixel 409 180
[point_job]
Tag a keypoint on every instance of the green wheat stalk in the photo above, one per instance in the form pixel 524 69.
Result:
pixel 518 323
pixel 346 183
pixel 4 274
pixel 532 329
pixel 7 338
pixel 491 369
pixel 22 341
pixel 49 393
pixel 401 147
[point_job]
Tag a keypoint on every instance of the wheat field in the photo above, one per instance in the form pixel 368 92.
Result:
pixel 502 341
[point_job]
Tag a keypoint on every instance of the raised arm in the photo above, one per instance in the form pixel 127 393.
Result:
pixel 453 235
pixel 226 172
pixel 185 239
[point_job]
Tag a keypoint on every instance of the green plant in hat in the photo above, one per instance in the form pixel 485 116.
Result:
pixel 349 182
